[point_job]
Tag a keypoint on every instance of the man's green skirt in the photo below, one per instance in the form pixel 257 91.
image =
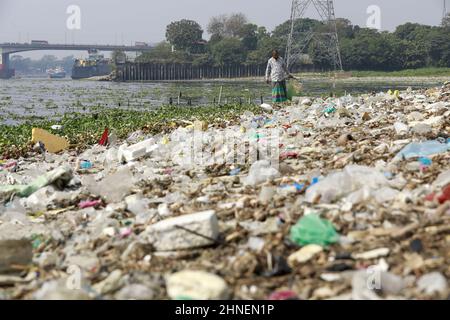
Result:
pixel 279 91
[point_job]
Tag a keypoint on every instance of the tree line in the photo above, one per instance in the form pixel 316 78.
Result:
pixel 234 40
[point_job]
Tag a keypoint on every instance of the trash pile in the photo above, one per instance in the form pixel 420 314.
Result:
pixel 356 206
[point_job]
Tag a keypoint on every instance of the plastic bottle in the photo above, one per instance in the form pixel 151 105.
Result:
pixel 423 149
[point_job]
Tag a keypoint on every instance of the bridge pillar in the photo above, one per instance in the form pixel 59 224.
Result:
pixel 5 71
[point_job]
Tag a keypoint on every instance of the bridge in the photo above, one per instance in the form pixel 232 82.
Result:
pixel 8 48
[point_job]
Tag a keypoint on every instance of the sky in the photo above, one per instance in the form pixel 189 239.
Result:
pixel 124 22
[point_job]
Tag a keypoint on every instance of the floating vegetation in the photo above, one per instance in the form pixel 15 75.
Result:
pixel 84 129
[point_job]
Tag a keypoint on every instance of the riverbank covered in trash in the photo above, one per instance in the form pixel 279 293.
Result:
pixel 343 198
pixel 82 130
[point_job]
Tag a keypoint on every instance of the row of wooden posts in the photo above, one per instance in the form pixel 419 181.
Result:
pixel 219 100
pixel 167 72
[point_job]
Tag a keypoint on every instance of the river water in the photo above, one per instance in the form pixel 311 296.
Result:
pixel 33 99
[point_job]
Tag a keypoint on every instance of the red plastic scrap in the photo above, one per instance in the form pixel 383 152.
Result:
pixel 104 140
pixel 10 165
pixel 89 204
pixel 283 295
pixel 441 197
pixel 445 195
pixel 430 197
pixel 288 155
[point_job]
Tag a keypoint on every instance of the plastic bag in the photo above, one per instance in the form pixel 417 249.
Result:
pixel 423 149
pixel 294 88
pixel 311 229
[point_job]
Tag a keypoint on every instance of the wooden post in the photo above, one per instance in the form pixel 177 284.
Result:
pixel 220 93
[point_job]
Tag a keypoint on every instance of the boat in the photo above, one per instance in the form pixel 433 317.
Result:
pixel 95 66
pixel 57 73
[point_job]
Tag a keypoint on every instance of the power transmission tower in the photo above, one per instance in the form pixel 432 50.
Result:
pixel 444 10
pixel 298 42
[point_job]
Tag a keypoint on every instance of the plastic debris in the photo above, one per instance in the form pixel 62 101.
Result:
pixel 86 165
pixel 188 231
pixel 266 107
pixel 200 125
pixel 261 171
pixel 51 142
pixel 311 229
pixel 196 285
pixel 373 254
pixel 423 149
pixel 137 151
pixel 89 204
pixel 283 295
pixel 432 283
pixel 60 177
pixel 304 254
pixel 130 214
pixel 104 139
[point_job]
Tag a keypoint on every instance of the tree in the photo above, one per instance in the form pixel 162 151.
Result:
pixel 118 56
pixel 203 60
pixel 67 62
pixel 414 54
pixel 216 26
pixel 227 26
pixel 20 64
pixel 47 62
pixel 262 33
pixel 162 53
pixel 249 36
pixel 184 34
pixel 412 31
pixel 345 28
pixel 159 53
pixel 228 52
pixel 264 50
pixel 300 26
pixel 359 53
pixel 439 47
pixel 235 24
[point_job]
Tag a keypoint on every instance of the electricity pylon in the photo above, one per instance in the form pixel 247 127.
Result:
pixel 297 43
pixel 444 10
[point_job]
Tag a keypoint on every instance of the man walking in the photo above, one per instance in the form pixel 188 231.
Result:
pixel 276 74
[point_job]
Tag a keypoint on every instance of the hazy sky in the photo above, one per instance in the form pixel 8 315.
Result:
pixel 119 21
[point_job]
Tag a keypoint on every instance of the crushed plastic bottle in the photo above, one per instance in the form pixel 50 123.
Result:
pixel 342 183
pixel 260 171
pixel 423 149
